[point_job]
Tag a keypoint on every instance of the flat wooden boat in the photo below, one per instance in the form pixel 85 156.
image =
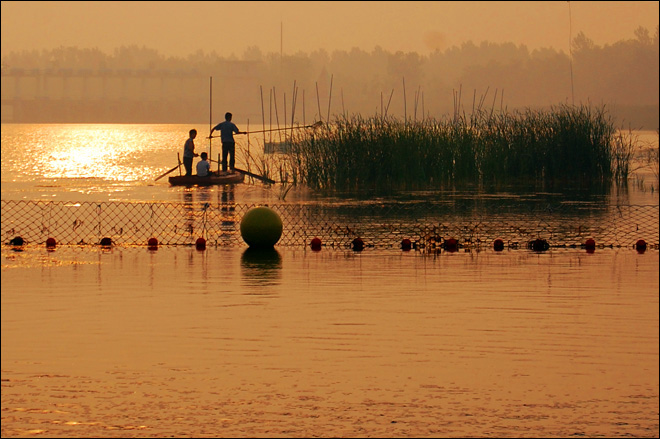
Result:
pixel 212 180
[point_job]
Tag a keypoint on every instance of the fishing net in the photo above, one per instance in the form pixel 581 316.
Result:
pixel 425 224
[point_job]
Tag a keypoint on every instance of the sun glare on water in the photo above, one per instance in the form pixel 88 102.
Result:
pixel 105 152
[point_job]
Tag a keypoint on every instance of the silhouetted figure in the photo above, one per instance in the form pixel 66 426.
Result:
pixel 189 152
pixel 227 130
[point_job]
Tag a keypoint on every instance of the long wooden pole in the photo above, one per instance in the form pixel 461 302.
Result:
pixel 270 114
pixel 330 98
pixel 247 159
pixel 343 109
pixel 251 174
pixel 405 113
pixel 171 170
pixel 387 108
pixel 277 116
pixel 570 50
pixel 318 101
pixel 293 108
pixel 314 125
pixel 263 114
pixel 210 113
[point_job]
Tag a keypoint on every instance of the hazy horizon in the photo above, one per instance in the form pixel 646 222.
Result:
pixel 229 28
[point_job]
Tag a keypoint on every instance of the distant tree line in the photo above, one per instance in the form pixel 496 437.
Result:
pixel 623 76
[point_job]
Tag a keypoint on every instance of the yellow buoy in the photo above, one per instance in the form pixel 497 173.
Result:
pixel 261 227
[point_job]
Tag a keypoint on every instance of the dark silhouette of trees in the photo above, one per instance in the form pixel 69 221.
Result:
pixel 623 75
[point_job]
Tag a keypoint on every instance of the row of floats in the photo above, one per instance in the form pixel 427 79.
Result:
pixel 433 244
pixel 452 245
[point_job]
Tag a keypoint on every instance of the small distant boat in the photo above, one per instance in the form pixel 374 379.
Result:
pixel 212 180
pixel 277 147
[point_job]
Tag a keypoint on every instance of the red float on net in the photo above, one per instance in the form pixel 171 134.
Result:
pixel 451 245
pixel 590 245
pixel 640 245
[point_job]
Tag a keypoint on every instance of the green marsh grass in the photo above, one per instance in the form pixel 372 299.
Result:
pixel 563 144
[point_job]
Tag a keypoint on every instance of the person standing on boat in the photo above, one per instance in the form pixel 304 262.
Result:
pixel 189 152
pixel 203 166
pixel 227 130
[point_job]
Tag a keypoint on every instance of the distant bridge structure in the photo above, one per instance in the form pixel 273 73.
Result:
pixel 122 95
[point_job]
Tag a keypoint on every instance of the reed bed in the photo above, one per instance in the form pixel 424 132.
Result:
pixel 563 144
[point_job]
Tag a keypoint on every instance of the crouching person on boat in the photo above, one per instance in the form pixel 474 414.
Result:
pixel 203 166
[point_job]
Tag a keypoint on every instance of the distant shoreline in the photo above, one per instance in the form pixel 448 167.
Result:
pixel 636 117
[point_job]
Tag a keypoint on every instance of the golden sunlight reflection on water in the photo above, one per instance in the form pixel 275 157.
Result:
pixel 88 151
pixel 111 152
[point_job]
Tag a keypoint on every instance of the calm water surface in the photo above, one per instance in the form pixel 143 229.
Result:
pixel 132 342
pixel 128 342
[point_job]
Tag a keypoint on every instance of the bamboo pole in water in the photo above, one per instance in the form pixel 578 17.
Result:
pixel 263 116
pixel 318 101
pixel 210 113
pixel 330 97
pixel 405 114
pixel 417 93
pixel 381 105
pixel 492 107
pixel 387 108
pixel 343 109
pixel 570 50
pixel 270 114
pixel 423 110
pixel 293 107
pixel 277 117
pixel 247 159
pixel 294 101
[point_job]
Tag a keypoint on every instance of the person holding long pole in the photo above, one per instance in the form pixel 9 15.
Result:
pixel 227 130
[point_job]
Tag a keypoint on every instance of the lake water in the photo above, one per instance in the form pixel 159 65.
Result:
pixel 131 342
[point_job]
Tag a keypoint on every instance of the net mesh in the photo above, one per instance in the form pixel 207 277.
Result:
pixel 425 224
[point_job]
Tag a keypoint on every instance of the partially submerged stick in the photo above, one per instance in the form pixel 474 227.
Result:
pixel 253 175
pixel 178 157
pixel 171 170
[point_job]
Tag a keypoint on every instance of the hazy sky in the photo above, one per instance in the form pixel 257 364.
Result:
pixel 181 28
